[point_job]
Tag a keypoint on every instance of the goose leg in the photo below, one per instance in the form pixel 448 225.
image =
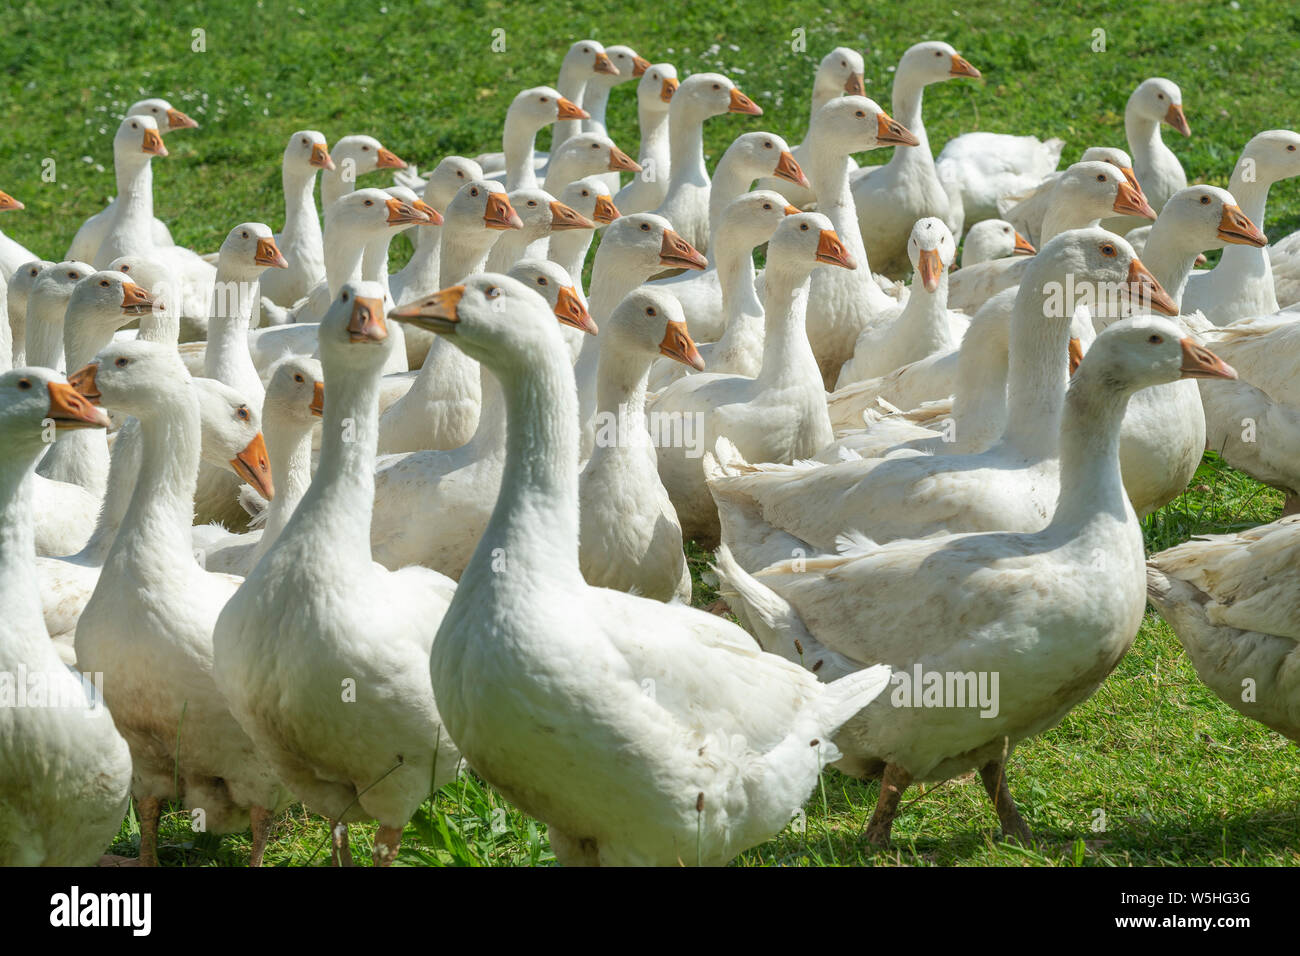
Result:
pixel 387 840
pixel 341 851
pixel 892 785
pixel 149 810
pixel 994 776
pixel 260 820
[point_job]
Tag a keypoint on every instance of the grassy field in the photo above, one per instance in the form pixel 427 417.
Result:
pixel 1179 777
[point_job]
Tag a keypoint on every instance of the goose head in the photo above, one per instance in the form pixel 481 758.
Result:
pixel 539 210
pixel 1274 155
pixel 994 239
pixel 650 322
pixel 137 141
pixel 540 106
pixel 763 154
pixel 1207 217
pixel 307 152
pixel 933 62
pixel 1116 157
pixel 353 334
pixel 107 299
pixel 163 113
pixel 645 244
pixel 591 153
pixel 655 89
pixel 1158 100
pixel 750 220
pixel 359 155
pixel 702 95
pixel 483 204
pixel 586 59
pixel 932 250
pixel 1147 350
pixel 840 71
pixel 553 284
pixel 147 274
pixel 447 178
pixel 1101 189
pixel 23 278
pixel 31 397
pixel 1091 267
pixel 629 64
pixel 8 203
pixel 408 196
pixel 231 434
pixel 804 241
pixel 134 378
pixel 590 197
pixel 851 124
pixel 58 280
pixel 370 212
pixel 248 250
pixel 295 391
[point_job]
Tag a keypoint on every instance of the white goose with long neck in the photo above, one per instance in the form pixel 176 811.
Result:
pixel 19 290
pixel 46 310
pixel 131 230
pixel 654 93
pixel 419 277
pixel 584 59
pixel 1158 170
pixel 354 156
pixel 531 111
pixel 301 241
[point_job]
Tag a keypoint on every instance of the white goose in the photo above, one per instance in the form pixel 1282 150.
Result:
pixel 1041 610
pixel 595 98
pixel 531 111
pixel 891 198
pixel 65 771
pixel 583 61
pixel 154 644
pixel 718 716
pixel 993 239
pixel 1027 210
pixel 541 214
pixel 431 506
pixel 18 291
pixel 780 415
pixel 316 616
pixel 46 306
pixel 301 241
pixel 1232 601
pixel 767 511
pixel 13 254
pixel 354 156
pixel 585 154
pixel 419 277
pixel 699 97
pixel 980 170
pixel 654 93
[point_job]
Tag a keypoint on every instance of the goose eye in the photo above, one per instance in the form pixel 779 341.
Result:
pixel 717 86
pixel 1108 249
pixel 767 205
pixel 297 377
pixel 543 99
pixel 532 202
pixel 803 227
pixel 365 149
pixel 1205 200
pixel 651 311
pixel 134 126
pixel 1154 339
pixel 122 362
pixel 304 141
pixel 25 383
pixel 242 413
pixel 844 65
pixel 72 275
pixel 474 191
pixel 1101 177
pixel 369 202
pixel 34 272
pixel 767 145
pixel 938 53
pixel 492 292
pixel 1160 96
pixel 645 227
pixel 585 193
pixel 541 280
pixel 1291 148
pixel 124 267
pixel 344 297
pixel 103 283
pixel 595 145
pixel 859 114
pixel 244 234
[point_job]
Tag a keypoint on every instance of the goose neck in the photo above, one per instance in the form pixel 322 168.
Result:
pixel 19 587
pixel 907 100
pixel 1092 487
pixel 1036 376
pixel 1170 255
pixel 344 252
pixel 1143 136
pixel 135 198
pixel 518 144
pixel 568 250
pixel 654 139
pixel 828 173
pixel 45 315
pixel 787 354
pixel 468 246
pixel 288 445
pixel 123 471
pixel 301 223
pixel 1251 195
pixel 686 149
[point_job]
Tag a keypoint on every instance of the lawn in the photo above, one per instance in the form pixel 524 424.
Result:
pixel 1153 769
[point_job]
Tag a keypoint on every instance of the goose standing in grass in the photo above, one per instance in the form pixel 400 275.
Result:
pixel 301 241
pixel 699 97
pixel 654 94
pixel 780 415
pixel 321 652
pixel 1040 610
pixel 18 290
pixel 65 771
pixel 148 625
pixel 1155 101
pixel 549 686
pixel 1233 600
pixel 891 198
pixel 993 239
pixel 13 254
pixel 85 244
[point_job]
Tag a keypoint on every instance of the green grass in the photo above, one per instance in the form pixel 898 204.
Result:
pixel 1181 778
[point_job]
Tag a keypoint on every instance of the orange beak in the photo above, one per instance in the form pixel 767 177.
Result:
pixel 854 86
pixel 317 405
pixel 893 133
pixel 1130 201
pixel 1131 177
pixel 832 251
pixel 620 161
pixel 83 380
pixel 435 217
pixel 667 89
pixel 1076 354
pixel 930 269
pixel 571 312
pixel 500 214
pixel 676 253
pixel 604 64
pixel 606 212
pixel 1235 227
pixel 1200 362
pixel 565 217
pixel 404 214
pixel 135 301
pixel 1023 247
pixel 152 143
pixel 792 210
pixel 253 465
pixel 320 156
pixel 389 160
pixel 367 321
pixel 960 67
pixel 639 65
pixel 178 120
pixel 68 409
pixel 8 202
pixel 740 103
pixel 1143 288
pixel 268 254
pixel 569 110
pixel 437 313
pixel 787 168
pixel 677 345
pixel 1175 118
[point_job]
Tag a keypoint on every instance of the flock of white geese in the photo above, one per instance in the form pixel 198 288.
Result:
pixel 460 543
